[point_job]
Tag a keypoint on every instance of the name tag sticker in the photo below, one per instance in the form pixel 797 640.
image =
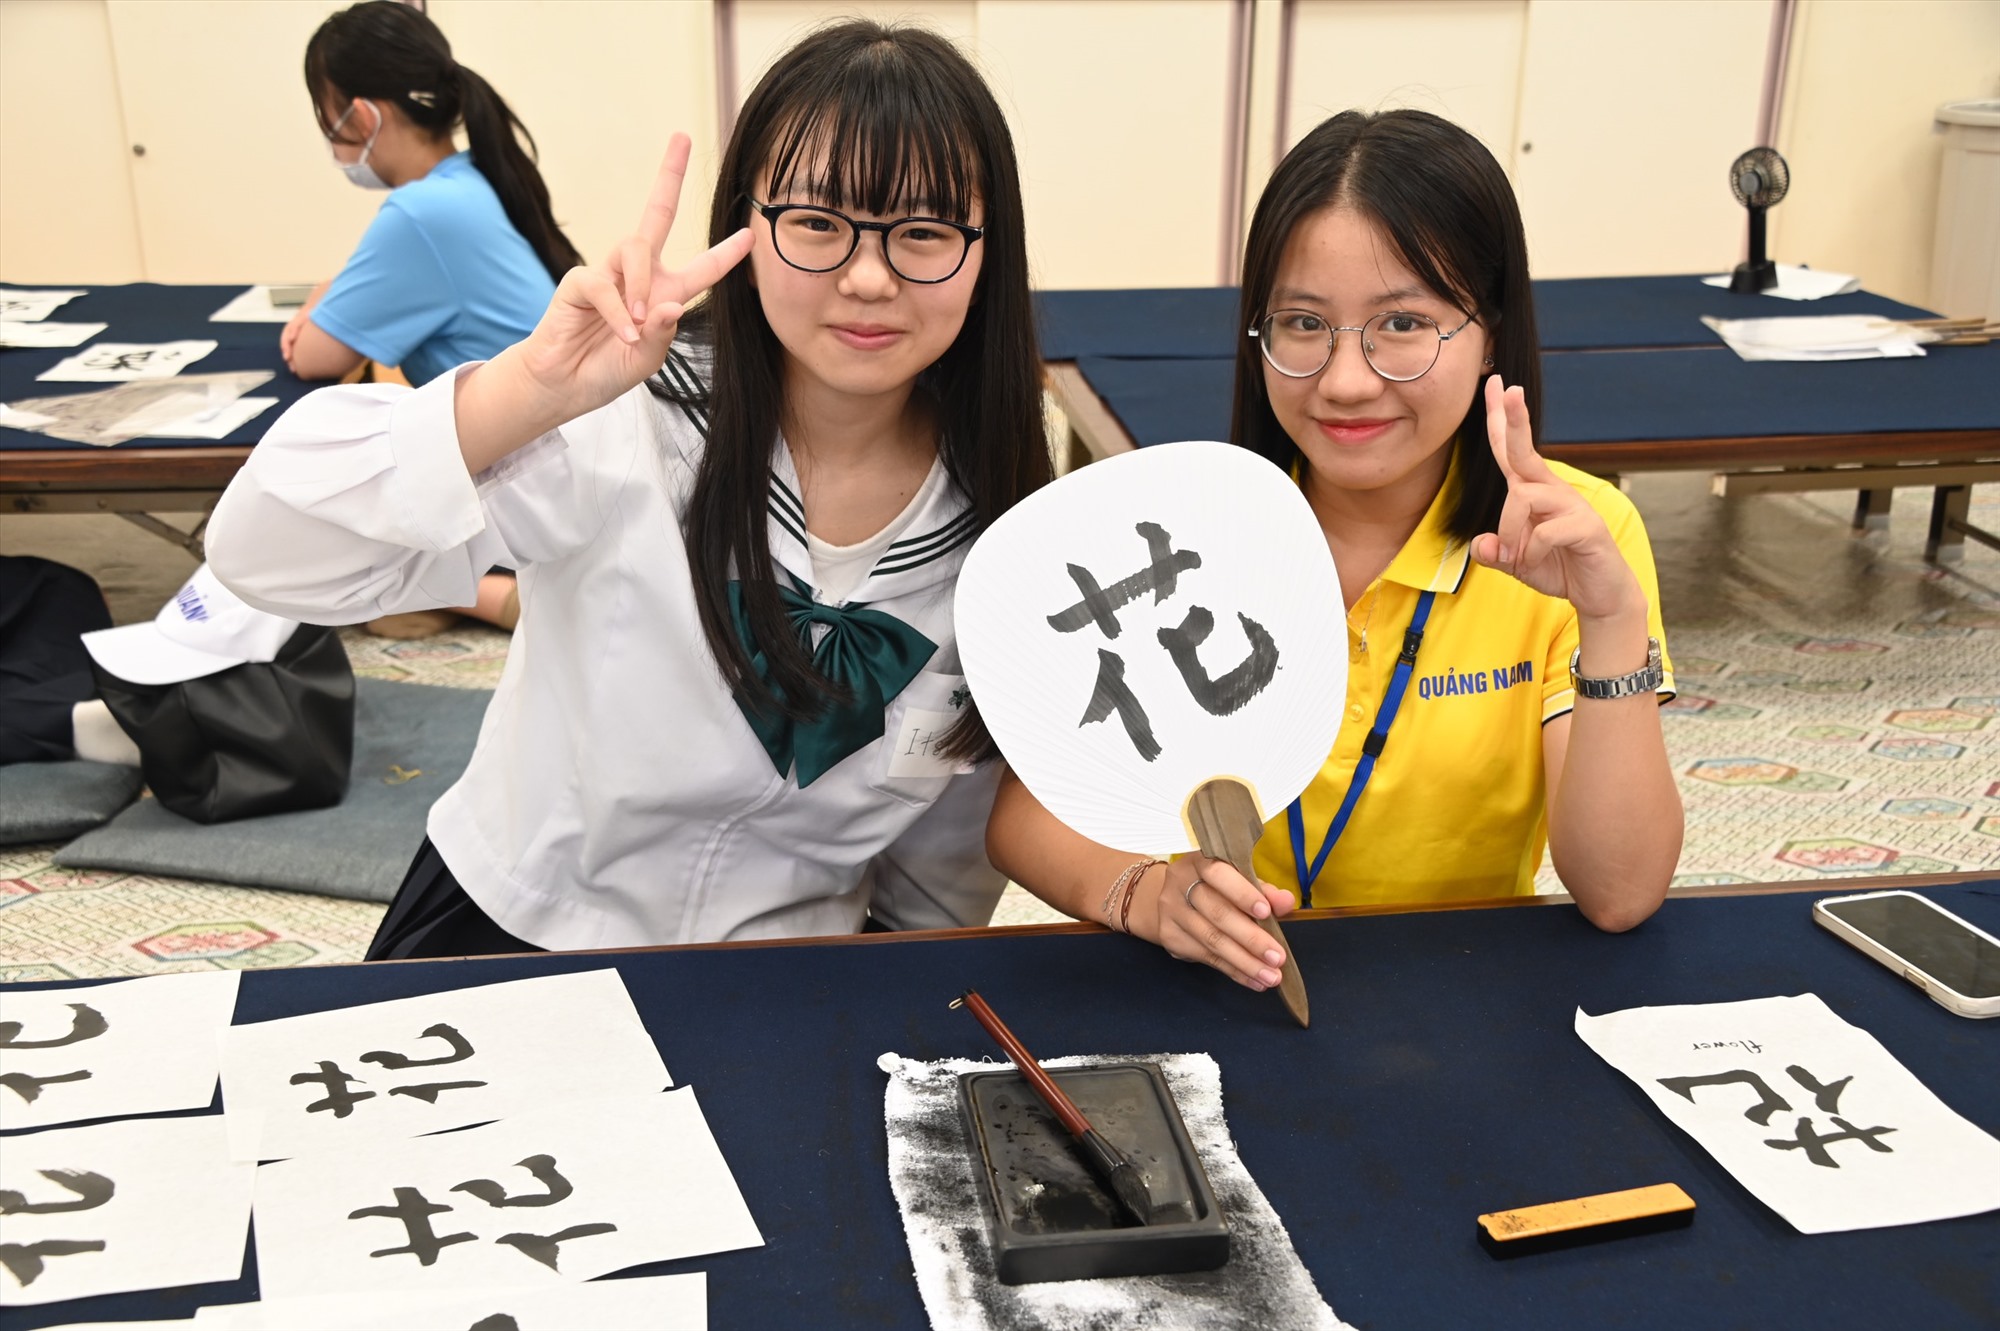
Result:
pixel 918 742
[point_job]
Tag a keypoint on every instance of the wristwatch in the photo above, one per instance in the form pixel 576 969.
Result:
pixel 1645 679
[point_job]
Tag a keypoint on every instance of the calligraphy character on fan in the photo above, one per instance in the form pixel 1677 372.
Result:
pixel 738 526
pixel 1389 362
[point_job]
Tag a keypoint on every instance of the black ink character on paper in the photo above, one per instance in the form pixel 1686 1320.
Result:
pixel 24 1260
pixel 90 1190
pixel 415 1210
pixel 85 1023
pixel 1218 695
pixel 340 1100
pixel 1805 1137
pixel 496 1322
pixel 121 361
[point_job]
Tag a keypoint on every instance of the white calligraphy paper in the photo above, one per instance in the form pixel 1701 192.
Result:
pixel 381 1071
pixel 18 333
pixel 1126 639
pixel 115 362
pixel 173 1323
pixel 1812 1115
pixel 645 1303
pixel 140 1046
pixel 139 1204
pixel 217 421
pixel 253 305
pixel 31 306
pixel 561 1194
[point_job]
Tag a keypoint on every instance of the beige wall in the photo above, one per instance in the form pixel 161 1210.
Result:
pixel 1857 127
pixel 1120 109
pixel 65 198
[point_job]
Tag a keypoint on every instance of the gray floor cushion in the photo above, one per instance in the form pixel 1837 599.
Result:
pixel 360 848
pixel 55 801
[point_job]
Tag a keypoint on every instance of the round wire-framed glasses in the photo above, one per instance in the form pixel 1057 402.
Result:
pixel 819 240
pixel 1398 345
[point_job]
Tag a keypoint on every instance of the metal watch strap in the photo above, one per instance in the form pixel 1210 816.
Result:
pixel 1646 679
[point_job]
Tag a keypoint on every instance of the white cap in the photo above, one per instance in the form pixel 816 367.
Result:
pixel 205 628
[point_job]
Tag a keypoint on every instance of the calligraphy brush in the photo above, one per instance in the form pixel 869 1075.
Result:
pixel 1106 1160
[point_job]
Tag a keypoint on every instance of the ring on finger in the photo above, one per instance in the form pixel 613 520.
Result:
pixel 1188 896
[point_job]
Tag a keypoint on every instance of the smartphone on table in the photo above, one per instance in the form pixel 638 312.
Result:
pixel 1947 957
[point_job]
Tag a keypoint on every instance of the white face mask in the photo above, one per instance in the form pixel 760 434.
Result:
pixel 358 171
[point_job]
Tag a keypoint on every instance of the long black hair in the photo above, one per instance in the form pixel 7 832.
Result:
pixel 1446 206
pixel 388 52
pixel 888 116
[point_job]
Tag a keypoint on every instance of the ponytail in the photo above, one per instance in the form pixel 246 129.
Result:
pixel 495 133
pixel 386 51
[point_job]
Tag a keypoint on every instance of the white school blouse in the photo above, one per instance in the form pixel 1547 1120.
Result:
pixel 617 797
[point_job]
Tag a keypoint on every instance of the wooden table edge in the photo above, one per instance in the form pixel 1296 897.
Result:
pixel 1789 887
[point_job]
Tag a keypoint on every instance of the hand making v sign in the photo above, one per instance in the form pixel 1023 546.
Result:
pixel 608 327
pixel 1549 536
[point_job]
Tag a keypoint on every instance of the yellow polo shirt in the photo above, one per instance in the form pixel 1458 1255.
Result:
pixel 1456 808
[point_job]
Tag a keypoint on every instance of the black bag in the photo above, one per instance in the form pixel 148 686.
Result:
pixel 257 738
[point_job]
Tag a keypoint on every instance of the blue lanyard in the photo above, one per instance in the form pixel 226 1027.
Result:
pixel 1371 749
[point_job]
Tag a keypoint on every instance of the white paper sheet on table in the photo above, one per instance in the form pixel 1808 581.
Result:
pixel 1811 1114
pixel 21 333
pixel 643 1303
pixel 1797 283
pixel 29 306
pixel 116 362
pixel 946 1219
pixel 253 306
pixel 1819 337
pixel 629 1180
pixel 153 1050
pixel 152 1324
pixel 335 1080
pixel 173 1211
pixel 211 422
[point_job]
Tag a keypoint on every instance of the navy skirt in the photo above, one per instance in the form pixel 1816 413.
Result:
pixel 432 917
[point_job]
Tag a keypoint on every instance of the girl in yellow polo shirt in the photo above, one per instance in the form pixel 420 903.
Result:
pixel 1390 363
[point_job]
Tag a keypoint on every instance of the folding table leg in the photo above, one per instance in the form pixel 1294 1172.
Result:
pixel 1871 510
pixel 1949 507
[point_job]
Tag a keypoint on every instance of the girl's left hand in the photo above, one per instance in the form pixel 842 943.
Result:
pixel 1550 537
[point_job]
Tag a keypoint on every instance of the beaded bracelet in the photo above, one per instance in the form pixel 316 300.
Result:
pixel 1118 914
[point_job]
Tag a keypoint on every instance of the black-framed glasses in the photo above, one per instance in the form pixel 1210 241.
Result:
pixel 819 240
pixel 1398 345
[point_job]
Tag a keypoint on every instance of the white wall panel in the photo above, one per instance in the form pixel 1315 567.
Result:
pixel 1460 59
pixel 236 183
pixel 66 212
pixel 1630 116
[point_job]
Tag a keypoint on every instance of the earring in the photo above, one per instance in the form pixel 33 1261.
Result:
pixel 1488 362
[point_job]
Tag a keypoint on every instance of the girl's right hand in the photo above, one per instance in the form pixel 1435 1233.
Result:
pixel 610 324
pixel 1206 911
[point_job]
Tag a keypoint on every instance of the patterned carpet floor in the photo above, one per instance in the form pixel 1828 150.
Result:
pixel 1836 717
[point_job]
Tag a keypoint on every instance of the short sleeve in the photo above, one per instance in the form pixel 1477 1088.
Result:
pixel 1628 529
pixel 392 295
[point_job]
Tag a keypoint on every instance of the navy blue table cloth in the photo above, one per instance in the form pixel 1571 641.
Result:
pixel 1441 1079
pixel 1618 396
pixel 1197 323
pixel 151 312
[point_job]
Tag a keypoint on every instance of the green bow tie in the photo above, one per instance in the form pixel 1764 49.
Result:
pixel 872 655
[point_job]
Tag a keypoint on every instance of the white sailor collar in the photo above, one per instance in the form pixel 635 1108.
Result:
pixel 930 550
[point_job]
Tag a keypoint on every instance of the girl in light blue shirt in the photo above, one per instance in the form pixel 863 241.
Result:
pixel 465 254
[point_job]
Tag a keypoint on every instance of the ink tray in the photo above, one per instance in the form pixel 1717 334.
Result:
pixel 1050 1217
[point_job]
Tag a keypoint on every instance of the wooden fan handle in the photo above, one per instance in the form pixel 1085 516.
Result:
pixel 1223 814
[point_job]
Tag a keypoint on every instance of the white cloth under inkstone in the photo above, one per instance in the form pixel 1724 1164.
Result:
pixel 1264 1286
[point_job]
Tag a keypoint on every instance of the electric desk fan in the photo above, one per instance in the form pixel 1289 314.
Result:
pixel 1759 179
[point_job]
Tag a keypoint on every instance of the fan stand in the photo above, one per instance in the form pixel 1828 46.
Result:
pixel 1759 273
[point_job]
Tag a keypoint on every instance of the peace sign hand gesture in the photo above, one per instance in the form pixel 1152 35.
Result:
pixel 1550 537
pixel 610 325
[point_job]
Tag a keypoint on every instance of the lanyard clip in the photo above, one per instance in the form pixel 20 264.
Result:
pixel 1412 639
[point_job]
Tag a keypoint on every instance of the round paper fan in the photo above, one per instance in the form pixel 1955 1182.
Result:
pixel 1150 622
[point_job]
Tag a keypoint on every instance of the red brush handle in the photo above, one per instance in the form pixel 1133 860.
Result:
pixel 1045 1086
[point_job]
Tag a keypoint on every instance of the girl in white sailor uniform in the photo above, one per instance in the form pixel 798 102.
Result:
pixel 734 708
